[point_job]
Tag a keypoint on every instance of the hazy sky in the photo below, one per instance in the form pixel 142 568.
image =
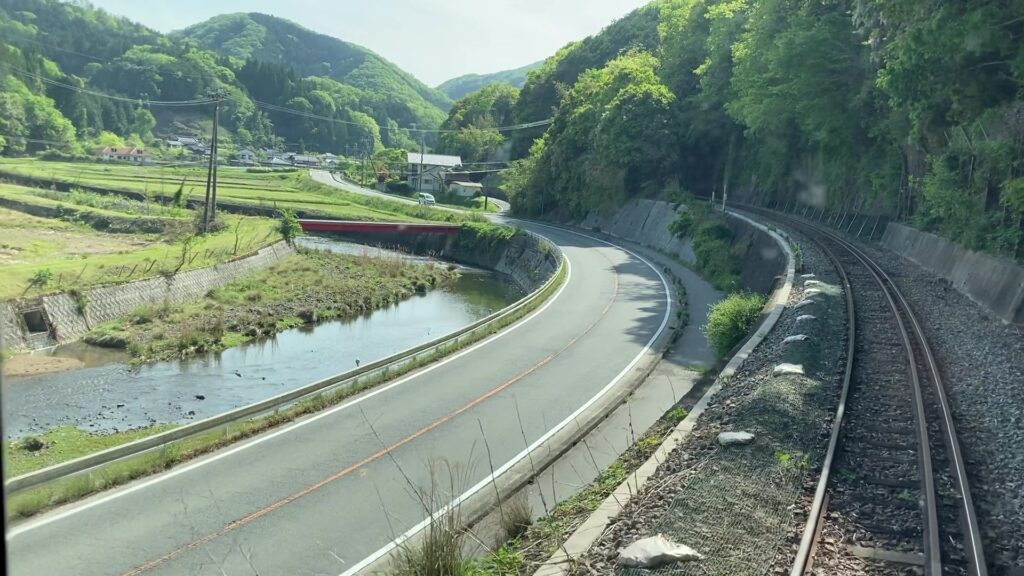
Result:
pixel 433 39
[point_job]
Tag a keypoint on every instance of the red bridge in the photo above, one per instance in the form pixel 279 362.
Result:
pixel 379 227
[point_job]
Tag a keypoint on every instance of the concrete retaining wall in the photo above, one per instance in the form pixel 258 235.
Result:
pixel 527 259
pixel 647 222
pixel 67 323
pixel 994 283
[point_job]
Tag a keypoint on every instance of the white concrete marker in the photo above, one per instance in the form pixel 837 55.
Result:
pixel 795 338
pixel 786 368
pixel 806 302
pixel 805 318
pixel 730 438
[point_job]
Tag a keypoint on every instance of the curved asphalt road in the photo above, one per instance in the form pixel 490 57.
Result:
pixel 322 494
pixel 325 177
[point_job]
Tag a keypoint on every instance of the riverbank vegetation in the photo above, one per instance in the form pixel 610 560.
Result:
pixel 29 453
pixel 309 287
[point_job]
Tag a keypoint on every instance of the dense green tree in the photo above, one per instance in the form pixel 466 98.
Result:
pixel 473 120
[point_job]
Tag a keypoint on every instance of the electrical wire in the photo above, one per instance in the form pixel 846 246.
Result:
pixel 284 110
pixel 140 101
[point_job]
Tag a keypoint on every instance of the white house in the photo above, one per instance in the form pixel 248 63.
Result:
pixel 435 168
pixel 329 160
pixel 466 189
pixel 123 154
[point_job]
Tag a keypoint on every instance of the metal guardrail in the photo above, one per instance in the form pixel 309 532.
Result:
pixel 90 462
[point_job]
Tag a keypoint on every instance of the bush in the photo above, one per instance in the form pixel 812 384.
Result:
pixel 712 243
pixel 402 188
pixel 731 319
pixel 290 227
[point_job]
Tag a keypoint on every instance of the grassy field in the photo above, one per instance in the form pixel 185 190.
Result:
pixel 294 190
pixel 306 288
pixel 78 257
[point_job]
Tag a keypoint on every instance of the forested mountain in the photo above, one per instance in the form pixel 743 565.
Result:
pixel 270 39
pixel 461 85
pixel 72 75
pixel 909 108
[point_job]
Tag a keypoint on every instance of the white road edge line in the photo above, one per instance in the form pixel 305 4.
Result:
pixel 44 520
pixel 387 548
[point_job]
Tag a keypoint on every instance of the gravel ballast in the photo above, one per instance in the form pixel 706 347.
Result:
pixel 982 362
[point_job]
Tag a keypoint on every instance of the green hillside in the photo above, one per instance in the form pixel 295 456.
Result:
pixel 73 76
pixel 271 39
pixel 909 109
pixel 460 86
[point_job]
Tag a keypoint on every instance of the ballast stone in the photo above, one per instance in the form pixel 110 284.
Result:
pixel 655 551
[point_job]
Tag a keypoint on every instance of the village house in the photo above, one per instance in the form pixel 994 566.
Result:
pixel 304 160
pixel 466 189
pixel 246 157
pixel 123 154
pixel 435 168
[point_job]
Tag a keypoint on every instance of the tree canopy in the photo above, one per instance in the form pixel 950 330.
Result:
pixel 906 108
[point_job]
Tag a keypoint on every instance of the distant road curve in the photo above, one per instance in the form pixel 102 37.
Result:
pixel 325 177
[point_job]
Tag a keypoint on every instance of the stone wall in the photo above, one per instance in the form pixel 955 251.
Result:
pixel 647 222
pixel 67 323
pixel 994 283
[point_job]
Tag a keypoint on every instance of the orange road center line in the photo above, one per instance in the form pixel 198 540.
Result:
pixel 235 524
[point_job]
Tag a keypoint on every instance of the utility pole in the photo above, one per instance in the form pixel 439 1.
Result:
pixel 210 206
pixel 421 159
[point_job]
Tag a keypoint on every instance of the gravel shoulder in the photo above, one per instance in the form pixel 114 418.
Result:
pixel 737 505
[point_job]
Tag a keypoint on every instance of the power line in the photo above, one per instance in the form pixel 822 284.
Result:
pixel 282 109
pixel 140 101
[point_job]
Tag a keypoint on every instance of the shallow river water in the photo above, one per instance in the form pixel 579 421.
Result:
pixel 108 395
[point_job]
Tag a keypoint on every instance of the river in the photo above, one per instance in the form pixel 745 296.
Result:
pixel 107 395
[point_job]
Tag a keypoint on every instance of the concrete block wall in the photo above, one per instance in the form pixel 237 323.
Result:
pixel 528 260
pixel 645 222
pixel 108 302
pixel 994 283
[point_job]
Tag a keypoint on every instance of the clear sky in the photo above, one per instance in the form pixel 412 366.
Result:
pixel 433 39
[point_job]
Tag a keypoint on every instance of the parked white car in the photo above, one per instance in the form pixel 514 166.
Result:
pixel 426 199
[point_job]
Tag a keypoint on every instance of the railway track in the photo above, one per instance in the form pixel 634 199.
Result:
pixel 893 476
